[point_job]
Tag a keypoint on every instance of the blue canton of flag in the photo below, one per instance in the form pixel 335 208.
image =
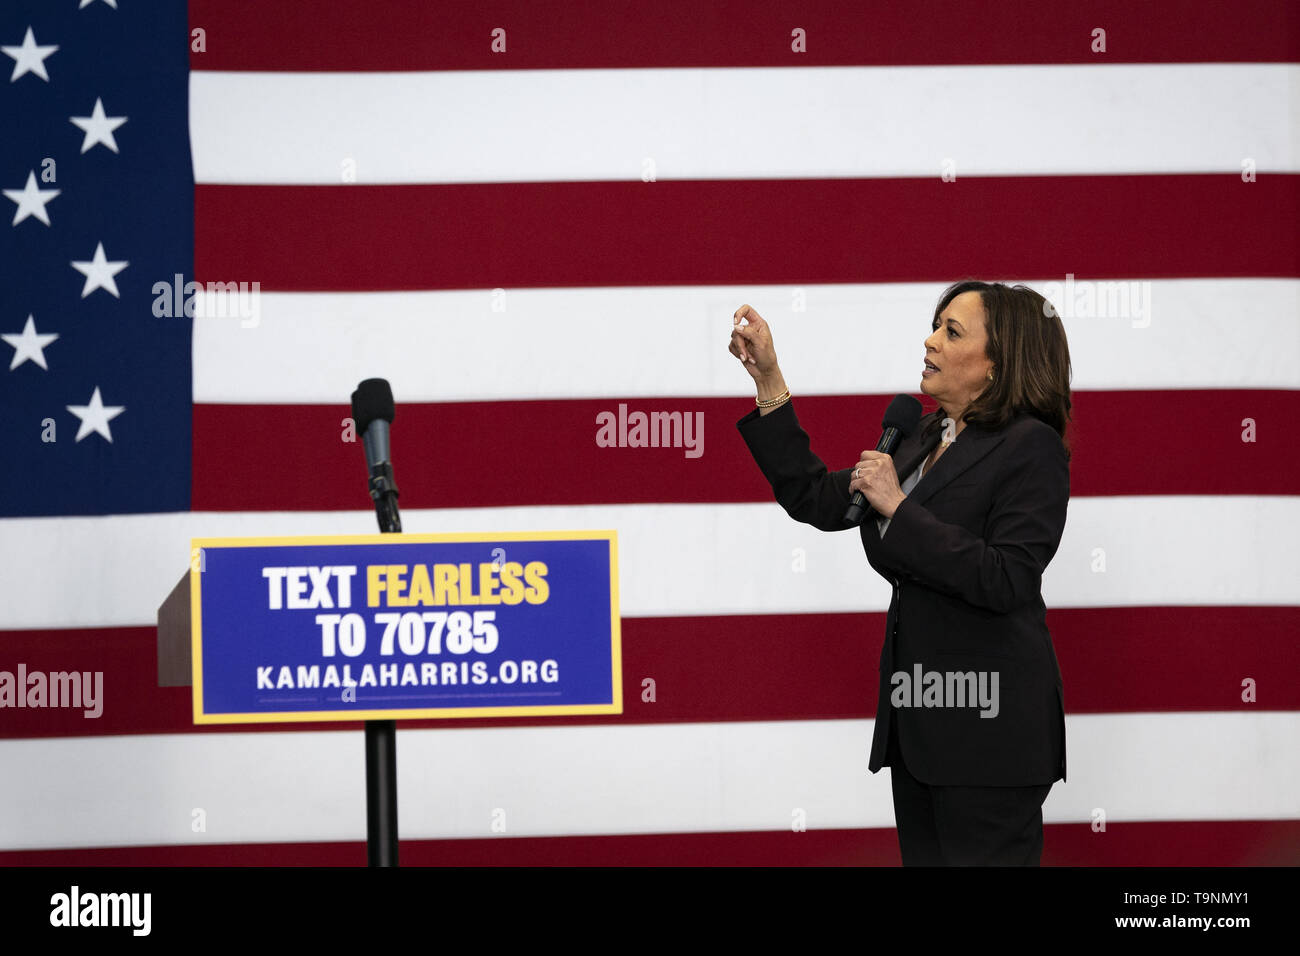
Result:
pixel 95 387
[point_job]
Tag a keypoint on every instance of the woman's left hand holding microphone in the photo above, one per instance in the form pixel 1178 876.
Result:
pixel 875 477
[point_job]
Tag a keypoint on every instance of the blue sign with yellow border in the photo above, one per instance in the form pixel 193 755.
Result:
pixel 403 626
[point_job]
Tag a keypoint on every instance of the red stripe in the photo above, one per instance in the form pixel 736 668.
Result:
pixel 417 35
pixel 775 667
pixel 530 235
pixel 492 454
pixel 1147 843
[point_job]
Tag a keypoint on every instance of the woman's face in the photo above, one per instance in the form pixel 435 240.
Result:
pixel 956 348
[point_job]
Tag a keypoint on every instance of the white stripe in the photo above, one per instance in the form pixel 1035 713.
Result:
pixel 741 123
pixel 667 778
pixel 649 341
pixel 692 559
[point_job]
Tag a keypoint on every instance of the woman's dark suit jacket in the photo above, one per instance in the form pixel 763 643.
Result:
pixel 965 553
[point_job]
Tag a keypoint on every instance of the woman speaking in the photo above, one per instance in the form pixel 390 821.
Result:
pixel 963 519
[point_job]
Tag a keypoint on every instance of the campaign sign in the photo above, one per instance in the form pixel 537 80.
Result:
pixel 393 626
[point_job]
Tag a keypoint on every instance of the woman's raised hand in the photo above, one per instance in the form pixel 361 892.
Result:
pixel 751 342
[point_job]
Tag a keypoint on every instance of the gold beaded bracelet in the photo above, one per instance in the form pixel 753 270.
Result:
pixel 771 402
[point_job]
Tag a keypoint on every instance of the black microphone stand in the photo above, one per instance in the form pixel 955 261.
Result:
pixel 381 735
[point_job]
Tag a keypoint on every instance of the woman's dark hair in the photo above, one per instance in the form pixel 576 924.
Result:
pixel 1031 357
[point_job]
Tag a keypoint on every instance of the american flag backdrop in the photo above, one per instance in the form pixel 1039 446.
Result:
pixel 526 215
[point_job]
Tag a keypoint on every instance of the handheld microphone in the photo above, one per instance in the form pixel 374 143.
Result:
pixel 901 419
pixel 373 411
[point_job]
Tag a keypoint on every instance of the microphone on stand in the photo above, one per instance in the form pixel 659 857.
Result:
pixel 372 411
pixel 901 419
